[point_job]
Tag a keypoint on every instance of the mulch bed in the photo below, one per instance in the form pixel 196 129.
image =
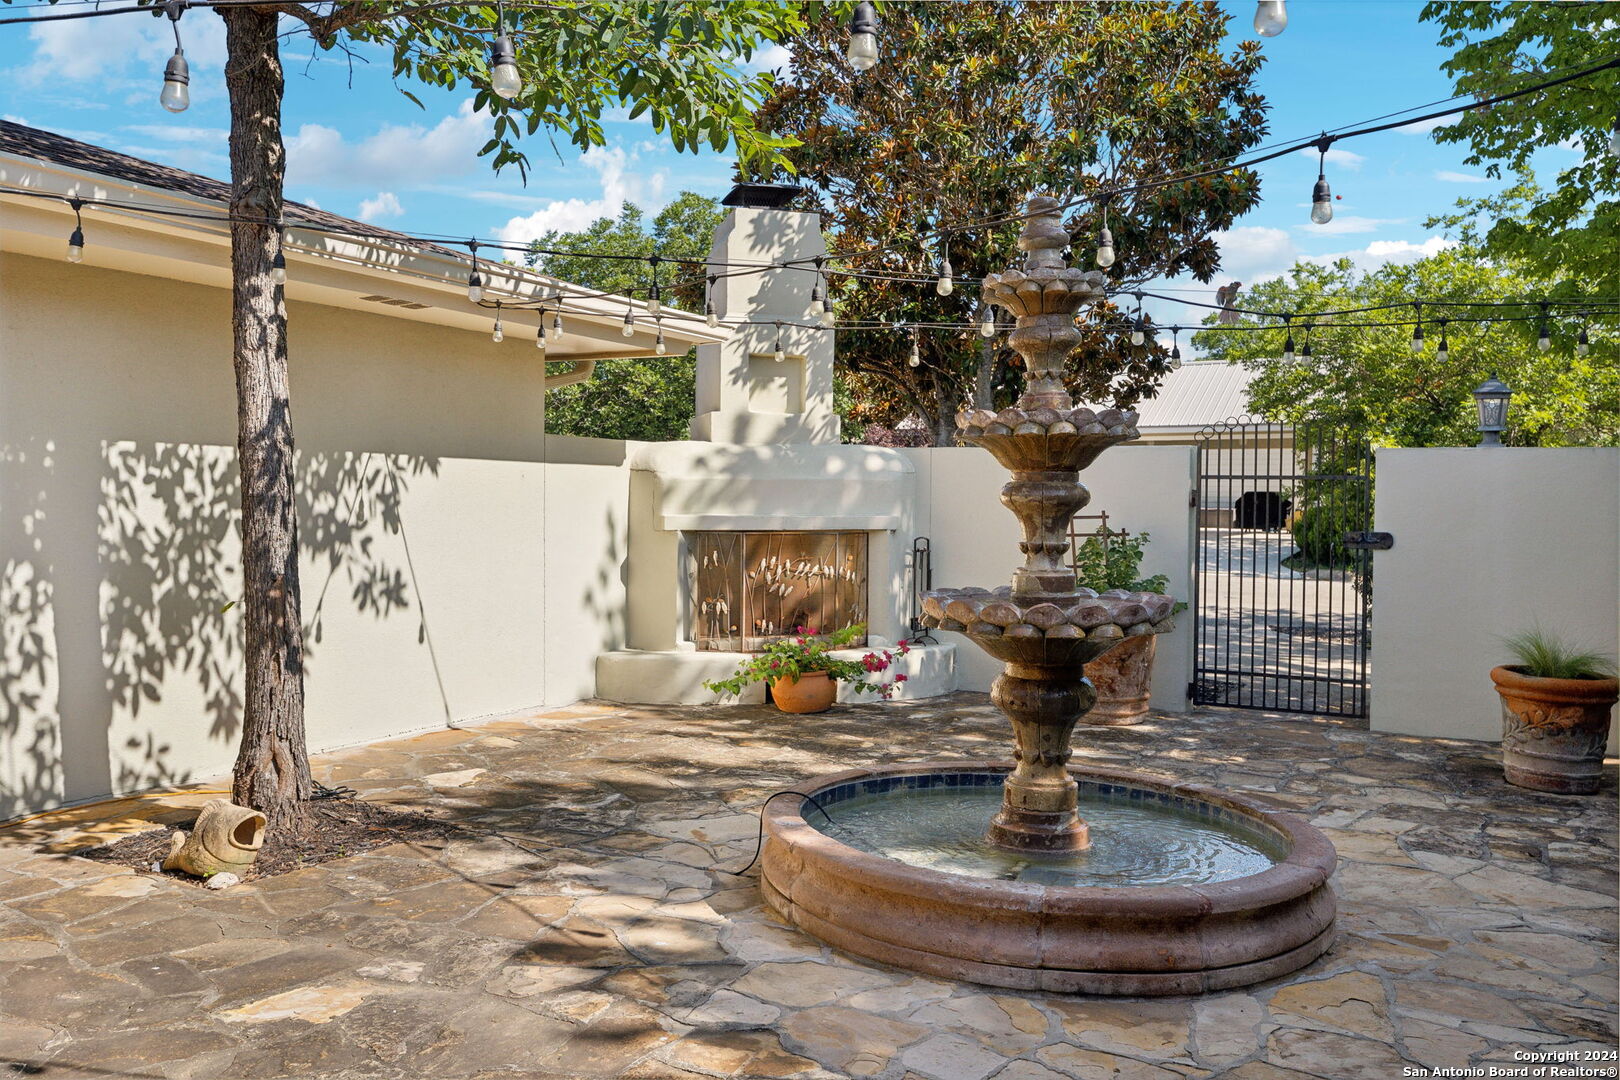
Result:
pixel 335 828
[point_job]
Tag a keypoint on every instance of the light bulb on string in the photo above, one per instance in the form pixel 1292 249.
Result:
pixel 497 335
pixel 987 321
pixel 1175 348
pixel 945 285
pixel 1583 344
pixel 915 359
pixel 540 341
pixel 1105 241
pixel 556 321
pixel 1138 327
pixel 655 303
pixel 176 95
pixel 1322 194
pixel 862 52
pixel 1270 18
pixel 629 328
pixel 1543 339
pixel 75 250
pixel 829 318
pixel 475 281
pixel 503 73
pixel 778 355
pixel 1416 344
pixel 710 316
pixel 1288 340
pixel 815 289
pixel 658 343
pixel 1442 353
pixel 278 262
pixel 1306 351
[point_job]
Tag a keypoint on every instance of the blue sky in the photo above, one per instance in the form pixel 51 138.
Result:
pixel 357 147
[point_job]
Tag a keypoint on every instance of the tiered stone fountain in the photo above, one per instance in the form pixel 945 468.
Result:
pixel 1180 889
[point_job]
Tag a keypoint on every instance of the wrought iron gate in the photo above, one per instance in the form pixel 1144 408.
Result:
pixel 1284 569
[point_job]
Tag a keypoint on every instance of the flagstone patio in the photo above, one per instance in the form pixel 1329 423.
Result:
pixel 587 927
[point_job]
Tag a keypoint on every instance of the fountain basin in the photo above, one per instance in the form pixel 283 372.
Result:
pixel 1153 939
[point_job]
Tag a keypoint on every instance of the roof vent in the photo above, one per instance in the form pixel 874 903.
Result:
pixel 409 305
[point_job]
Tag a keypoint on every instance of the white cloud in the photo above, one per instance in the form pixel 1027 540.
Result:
pixel 620 184
pixel 404 156
pixel 772 58
pixel 1252 252
pixel 1423 127
pixel 1345 224
pixel 384 205
pixel 1379 252
pixel 102 50
pixel 180 133
pixel 1448 177
pixel 1344 159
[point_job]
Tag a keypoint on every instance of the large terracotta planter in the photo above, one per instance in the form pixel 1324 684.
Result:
pixel 814 691
pixel 1554 730
pixel 1122 678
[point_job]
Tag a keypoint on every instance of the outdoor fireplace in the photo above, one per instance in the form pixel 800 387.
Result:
pixel 751 588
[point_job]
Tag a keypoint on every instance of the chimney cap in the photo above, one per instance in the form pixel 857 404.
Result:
pixel 761 196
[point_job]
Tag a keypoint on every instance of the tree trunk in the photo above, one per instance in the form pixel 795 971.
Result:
pixel 272 764
pixel 985 375
pixel 944 415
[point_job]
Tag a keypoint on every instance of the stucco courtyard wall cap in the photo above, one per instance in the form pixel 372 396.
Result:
pixel 1168 939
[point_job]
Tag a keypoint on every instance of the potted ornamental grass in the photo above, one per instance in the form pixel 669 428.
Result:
pixel 1557 704
pixel 803 675
pixel 1123 675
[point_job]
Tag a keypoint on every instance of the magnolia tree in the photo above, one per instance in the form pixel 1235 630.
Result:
pixel 681 62
pixel 972 106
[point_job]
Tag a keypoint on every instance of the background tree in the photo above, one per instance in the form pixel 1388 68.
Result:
pixel 647 399
pixel 975 104
pixel 680 61
pixel 1569 235
pixel 1369 384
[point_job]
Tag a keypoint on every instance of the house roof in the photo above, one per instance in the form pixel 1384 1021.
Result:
pixel 1199 393
pixel 61 150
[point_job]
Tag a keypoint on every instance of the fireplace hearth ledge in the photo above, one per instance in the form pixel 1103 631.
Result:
pixel 637 677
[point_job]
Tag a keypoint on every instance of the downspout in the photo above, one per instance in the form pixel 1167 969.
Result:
pixel 580 372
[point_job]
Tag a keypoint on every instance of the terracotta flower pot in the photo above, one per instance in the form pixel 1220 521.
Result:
pixel 1121 677
pixel 811 692
pixel 1554 730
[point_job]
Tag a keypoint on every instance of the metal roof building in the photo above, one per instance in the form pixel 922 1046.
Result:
pixel 1200 393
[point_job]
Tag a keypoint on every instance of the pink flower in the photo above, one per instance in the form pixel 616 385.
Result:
pixel 812 631
pixel 905 647
pixel 900 677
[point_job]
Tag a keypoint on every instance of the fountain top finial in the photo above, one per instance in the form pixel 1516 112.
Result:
pixel 1044 236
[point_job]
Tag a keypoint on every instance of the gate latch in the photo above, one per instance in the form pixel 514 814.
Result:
pixel 1369 541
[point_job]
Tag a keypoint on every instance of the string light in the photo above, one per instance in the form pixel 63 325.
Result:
pixel 944 286
pixel 1416 344
pixel 475 282
pixel 915 359
pixel 1543 340
pixel 278 261
pixel 75 251
pixel 1443 353
pixel 1583 345
pixel 1321 194
pixel 987 321
pixel 1306 351
pixel 815 289
pixel 829 318
pixel 1138 327
pixel 176 95
pixel 503 72
pixel 655 304
pixel 556 321
pixel 497 335
pixel 1105 255
pixel 710 316
pixel 778 355
pixel 862 52
pixel 540 341
pixel 629 329
pixel 1288 340
pixel 658 344
pixel 1270 18
pixel 1175 348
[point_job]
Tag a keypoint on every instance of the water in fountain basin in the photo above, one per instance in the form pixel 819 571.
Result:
pixel 1133 842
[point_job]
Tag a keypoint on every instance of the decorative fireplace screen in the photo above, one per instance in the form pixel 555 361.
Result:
pixel 750 588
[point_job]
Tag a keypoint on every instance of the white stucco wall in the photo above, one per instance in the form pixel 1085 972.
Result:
pixel 1488 542
pixel 975 539
pixel 448 570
